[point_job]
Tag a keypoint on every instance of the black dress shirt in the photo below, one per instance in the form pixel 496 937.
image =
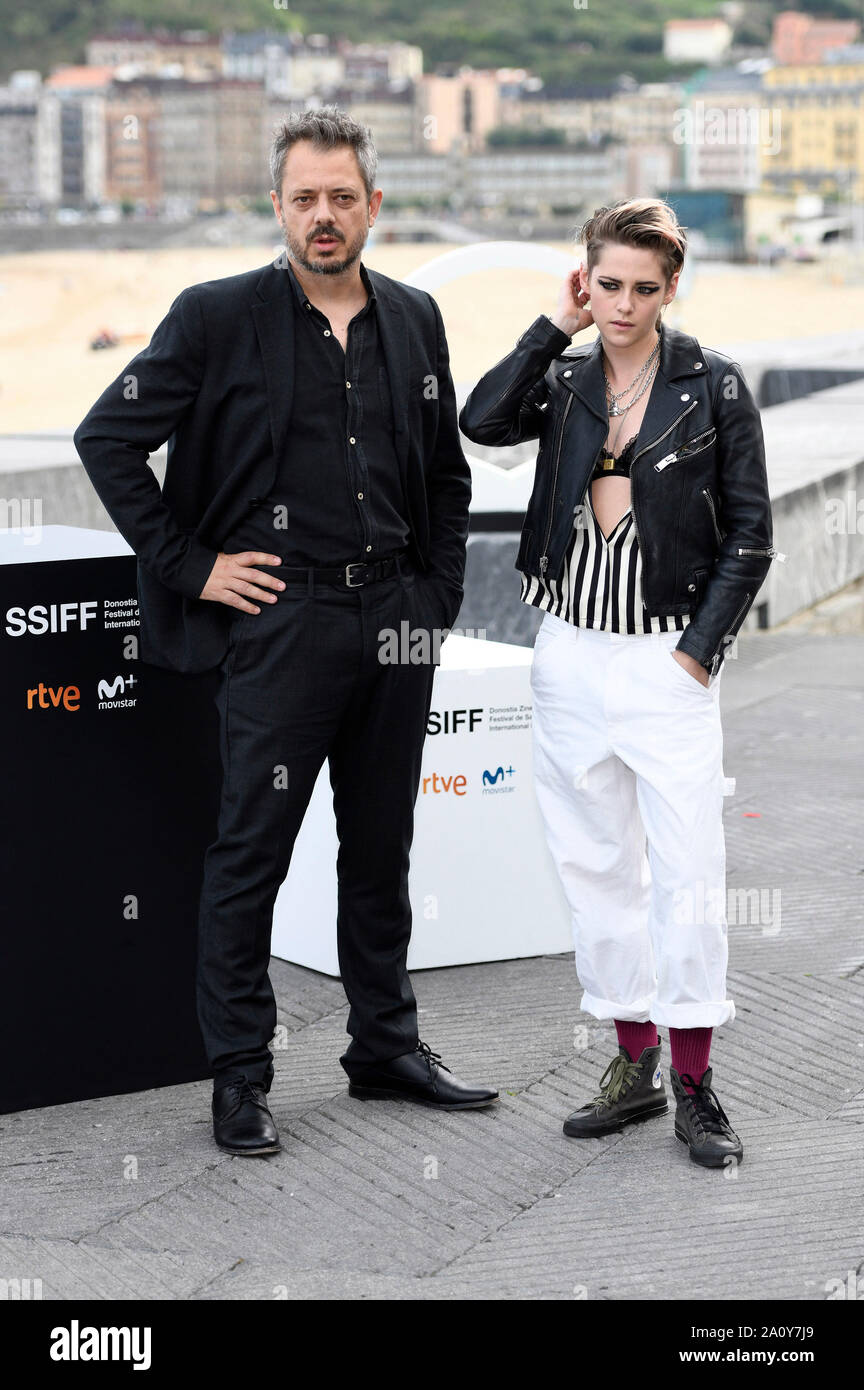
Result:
pixel 338 481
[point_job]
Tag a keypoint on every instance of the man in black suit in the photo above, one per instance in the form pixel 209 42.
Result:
pixel 316 496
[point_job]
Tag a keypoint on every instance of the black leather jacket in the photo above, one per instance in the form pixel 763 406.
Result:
pixel 698 484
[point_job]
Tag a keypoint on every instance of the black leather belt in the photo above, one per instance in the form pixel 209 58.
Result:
pixel 353 576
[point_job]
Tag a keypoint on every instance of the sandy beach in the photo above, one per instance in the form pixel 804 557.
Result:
pixel 53 303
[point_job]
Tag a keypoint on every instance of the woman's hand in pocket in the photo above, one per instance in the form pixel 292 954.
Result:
pixel 696 669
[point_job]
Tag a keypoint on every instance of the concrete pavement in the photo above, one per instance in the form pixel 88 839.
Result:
pixel 128 1198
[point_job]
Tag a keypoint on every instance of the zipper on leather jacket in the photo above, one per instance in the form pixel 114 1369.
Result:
pixel 742 549
pixel 747 598
pixel 710 500
pixel 749 550
pixel 642 451
pixel 715 660
pixel 686 450
pixel 678 418
pixel 544 558
pixel 638 537
pixel 511 386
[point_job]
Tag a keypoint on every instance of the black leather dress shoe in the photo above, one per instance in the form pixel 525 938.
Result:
pixel 418 1076
pixel 242 1123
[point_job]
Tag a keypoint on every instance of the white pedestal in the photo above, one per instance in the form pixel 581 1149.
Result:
pixel 482 882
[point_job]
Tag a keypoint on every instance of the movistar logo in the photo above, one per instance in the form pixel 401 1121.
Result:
pixel 116 687
pixel 490 778
pixel 116 693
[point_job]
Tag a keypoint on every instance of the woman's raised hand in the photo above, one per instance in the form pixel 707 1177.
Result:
pixel 571 315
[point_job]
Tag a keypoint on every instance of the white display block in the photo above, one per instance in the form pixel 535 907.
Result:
pixel 38 544
pixel 482 882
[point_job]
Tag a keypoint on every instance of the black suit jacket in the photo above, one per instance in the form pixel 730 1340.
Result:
pixel 215 381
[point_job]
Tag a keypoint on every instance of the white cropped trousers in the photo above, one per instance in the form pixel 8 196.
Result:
pixel 628 749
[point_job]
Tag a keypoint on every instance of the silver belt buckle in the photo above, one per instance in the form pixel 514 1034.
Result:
pixel 356 564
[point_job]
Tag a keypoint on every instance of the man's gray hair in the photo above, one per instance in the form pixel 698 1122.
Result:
pixel 327 128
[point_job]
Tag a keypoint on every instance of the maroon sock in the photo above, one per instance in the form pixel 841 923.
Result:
pixel 636 1036
pixel 691 1048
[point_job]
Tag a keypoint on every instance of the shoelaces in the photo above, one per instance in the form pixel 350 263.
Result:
pixel 709 1112
pixel 243 1089
pixel 433 1058
pixel 618 1076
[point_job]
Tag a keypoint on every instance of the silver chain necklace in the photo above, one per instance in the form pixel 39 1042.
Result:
pixel 608 460
pixel 615 396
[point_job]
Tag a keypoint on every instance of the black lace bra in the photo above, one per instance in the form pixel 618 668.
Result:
pixel 615 467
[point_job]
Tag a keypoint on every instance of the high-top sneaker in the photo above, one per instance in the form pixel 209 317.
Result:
pixel 702 1123
pixel 629 1091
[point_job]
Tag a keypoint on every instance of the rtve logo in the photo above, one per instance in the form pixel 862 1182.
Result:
pixel 55 617
pixel 452 720
pixel 44 696
pixel 439 783
pixel 47 697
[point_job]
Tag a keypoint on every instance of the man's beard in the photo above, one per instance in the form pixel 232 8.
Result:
pixel 331 266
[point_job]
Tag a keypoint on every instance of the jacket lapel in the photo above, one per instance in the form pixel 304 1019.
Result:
pixel 671 394
pixel 273 316
pixel 397 348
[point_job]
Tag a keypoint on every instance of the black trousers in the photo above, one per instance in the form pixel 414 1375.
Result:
pixel 302 681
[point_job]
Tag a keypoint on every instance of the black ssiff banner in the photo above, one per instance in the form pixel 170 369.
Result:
pixel 111 781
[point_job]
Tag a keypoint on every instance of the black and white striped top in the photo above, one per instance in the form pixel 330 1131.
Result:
pixel 599 583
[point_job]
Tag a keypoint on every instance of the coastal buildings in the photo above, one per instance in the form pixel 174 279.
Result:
pixel 160 124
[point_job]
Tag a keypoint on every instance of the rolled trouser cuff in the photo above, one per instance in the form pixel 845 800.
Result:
pixel 709 1015
pixel 693 1015
pixel 640 1011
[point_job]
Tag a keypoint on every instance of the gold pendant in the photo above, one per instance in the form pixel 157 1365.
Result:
pixel 607 462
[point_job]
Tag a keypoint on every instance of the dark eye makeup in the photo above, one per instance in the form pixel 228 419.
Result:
pixel 643 289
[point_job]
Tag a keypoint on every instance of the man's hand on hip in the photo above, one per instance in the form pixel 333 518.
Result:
pixel 234 580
